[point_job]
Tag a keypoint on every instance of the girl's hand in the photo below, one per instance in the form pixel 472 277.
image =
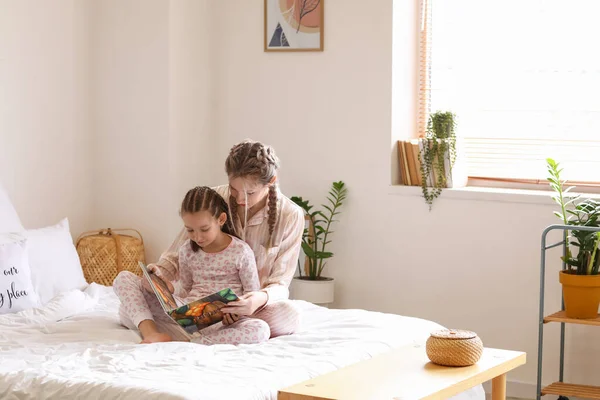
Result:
pixel 146 285
pixel 229 319
pixel 247 304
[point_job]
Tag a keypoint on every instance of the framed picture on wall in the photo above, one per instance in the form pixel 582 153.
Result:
pixel 294 25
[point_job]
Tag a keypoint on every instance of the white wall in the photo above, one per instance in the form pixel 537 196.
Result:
pixel 130 86
pixel 467 264
pixel 45 138
pixel 151 92
pixel 192 97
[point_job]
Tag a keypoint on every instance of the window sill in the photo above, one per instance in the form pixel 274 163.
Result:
pixel 476 193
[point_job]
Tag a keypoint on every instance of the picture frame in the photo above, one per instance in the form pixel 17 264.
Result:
pixel 293 25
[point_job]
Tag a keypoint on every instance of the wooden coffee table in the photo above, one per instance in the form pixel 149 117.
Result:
pixel 406 373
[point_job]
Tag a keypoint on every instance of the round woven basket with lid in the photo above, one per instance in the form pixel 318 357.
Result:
pixel 454 348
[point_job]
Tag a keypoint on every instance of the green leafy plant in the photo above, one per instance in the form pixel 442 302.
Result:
pixel 584 213
pixel 438 144
pixel 316 237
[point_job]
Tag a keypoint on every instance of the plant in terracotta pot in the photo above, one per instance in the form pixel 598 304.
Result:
pixel 311 285
pixel 579 277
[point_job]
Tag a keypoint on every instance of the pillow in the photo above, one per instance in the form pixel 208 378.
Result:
pixel 54 262
pixel 9 220
pixel 16 289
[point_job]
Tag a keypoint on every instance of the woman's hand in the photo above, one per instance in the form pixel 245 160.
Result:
pixel 247 304
pixel 229 319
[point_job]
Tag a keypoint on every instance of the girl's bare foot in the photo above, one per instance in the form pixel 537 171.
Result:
pixel 150 333
pixel 157 337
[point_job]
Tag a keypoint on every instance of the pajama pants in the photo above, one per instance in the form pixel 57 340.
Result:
pixel 137 305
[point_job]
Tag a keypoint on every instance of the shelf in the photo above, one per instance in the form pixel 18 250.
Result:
pixel 561 317
pixel 570 389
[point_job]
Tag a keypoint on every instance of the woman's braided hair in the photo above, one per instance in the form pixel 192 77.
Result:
pixel 250 158
pixel 203 198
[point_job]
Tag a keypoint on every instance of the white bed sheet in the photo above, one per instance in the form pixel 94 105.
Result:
pixel 75 348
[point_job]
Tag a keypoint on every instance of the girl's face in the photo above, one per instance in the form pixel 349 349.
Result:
pixel 255 191
pixel 202 227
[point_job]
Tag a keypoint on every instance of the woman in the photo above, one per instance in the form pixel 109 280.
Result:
pixel 270 223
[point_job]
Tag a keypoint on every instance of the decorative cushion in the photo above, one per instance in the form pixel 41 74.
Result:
pixel 9 220
pixel 54 262
pixel 16 288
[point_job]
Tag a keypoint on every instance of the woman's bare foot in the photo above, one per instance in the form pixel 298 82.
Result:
pixel 157 337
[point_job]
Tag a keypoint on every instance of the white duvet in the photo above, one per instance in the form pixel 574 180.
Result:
pixel 75 348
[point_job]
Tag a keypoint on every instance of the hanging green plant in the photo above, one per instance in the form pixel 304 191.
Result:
pixel 438 148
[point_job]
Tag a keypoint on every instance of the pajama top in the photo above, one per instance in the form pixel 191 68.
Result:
pixel 202 274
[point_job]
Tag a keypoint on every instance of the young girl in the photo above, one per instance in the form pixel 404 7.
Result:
pixel 213 258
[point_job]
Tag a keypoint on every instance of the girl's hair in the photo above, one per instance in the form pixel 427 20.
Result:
pixel 203 198
pixel 253 159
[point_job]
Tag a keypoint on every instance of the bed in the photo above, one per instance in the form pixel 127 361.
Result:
pixel 66 341
pixel 75 348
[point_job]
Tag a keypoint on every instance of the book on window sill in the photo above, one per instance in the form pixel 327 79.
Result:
pixel 193 316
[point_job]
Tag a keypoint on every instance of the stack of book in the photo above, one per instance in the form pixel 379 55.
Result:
pixel 410 154
pixel 410 166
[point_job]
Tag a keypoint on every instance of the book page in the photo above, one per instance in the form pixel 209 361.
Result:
pixel 166 299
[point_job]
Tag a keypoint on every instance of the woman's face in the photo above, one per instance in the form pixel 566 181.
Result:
pixel 247 191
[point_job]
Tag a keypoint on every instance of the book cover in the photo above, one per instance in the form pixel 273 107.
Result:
pixel 414 143
pixel 413 164
pixel 402 164
pixel 194 316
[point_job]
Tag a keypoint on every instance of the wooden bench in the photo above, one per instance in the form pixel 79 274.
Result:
pixel 406 373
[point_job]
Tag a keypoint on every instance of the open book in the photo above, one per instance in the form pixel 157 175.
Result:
pixel 194 316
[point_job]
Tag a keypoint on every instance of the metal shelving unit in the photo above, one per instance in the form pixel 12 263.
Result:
pixel 560 388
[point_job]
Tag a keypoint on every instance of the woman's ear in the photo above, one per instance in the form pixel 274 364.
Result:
pixel 222 219
pixel 273 180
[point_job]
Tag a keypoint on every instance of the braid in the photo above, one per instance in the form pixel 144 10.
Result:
pixel 234 213
pixel 228 227
pixel 251 158
pixel 191 202
pixel 272 211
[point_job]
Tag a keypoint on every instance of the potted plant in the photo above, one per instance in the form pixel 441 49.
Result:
pixel 580 279
pixel 437 155
pixel 311 285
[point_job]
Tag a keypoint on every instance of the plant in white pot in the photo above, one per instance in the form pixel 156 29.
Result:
pixel 437 155
pixel 312 286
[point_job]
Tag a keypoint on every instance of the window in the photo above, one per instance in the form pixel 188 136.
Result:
pixel 522 77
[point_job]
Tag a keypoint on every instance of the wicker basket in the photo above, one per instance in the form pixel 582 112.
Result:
pixel 454 348
pixel 103 254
